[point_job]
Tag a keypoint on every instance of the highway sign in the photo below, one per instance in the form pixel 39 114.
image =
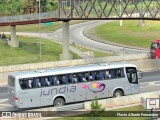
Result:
pixel 48 23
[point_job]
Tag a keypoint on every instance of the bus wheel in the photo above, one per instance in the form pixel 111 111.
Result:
pixel 118 93
pixel 58 102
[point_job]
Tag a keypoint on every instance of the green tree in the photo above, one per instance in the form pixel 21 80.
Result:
pixel 3 8
pixel 95 105
pixel 11 7
pixel 52 5
pixel 15 7
pixel 30 6
pixel 95 109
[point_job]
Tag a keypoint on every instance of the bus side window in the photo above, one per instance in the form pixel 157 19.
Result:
pixel 101 75
pixel 34 83
pixel 59 78
pixel 27 83
pixel 74 78
pixel 23 83
pixel 87 76
pixel 93 75
pixel 42 81
pixel 107 75
pixel 51 80
pixel 118 72
pixel 64 79
pixel 56 80
pixel 38 82
pixel 30 83
pixel 79 76
pixel 47 83
pixel 83 77
pixel 90 76
pixel 70 78
pixel 122 73
pixel 97 75
pixel 112 73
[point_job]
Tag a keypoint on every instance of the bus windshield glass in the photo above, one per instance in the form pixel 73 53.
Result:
pixel 132 75
pixel 154 46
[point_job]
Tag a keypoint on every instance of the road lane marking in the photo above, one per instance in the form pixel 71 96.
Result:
pixel 148 87
pixel 5 105
pixel 150 82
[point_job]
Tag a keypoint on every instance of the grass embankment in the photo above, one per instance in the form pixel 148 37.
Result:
pixel 96 53
pixel 130 33
pixel 135 108
pixel 29 51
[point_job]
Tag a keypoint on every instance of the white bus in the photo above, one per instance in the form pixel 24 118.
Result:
pixel 58 86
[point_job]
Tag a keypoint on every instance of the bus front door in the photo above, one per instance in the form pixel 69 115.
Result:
pixel 133 79
pixel 135 88
pixel 134 83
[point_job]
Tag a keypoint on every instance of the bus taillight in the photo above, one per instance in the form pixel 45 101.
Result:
pixel 16 98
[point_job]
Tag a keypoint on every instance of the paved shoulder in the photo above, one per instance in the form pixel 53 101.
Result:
pixel 3 100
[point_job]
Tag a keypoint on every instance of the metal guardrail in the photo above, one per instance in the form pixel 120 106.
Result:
pixel 71 107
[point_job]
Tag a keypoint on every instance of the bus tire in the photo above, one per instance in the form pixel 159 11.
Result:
pixel 58 102
pixel 118 93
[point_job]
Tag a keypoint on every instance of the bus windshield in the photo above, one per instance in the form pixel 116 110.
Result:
pixel 155 45
pixel 132 75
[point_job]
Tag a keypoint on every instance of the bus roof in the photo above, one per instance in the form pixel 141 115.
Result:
pixel 156 41
pixel 72 69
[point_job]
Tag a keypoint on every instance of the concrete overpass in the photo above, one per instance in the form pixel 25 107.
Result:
pixel 85 10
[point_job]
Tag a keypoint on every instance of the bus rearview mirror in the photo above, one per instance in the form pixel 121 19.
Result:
pixel 140 74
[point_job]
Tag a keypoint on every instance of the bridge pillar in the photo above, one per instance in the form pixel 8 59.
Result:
pixel 13 42
pixel 65 41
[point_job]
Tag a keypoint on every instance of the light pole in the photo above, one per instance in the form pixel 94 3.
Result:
pixel 40 47
pixel 120 12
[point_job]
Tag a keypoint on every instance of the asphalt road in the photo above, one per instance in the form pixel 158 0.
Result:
pixel 150 82
pixel 77 36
